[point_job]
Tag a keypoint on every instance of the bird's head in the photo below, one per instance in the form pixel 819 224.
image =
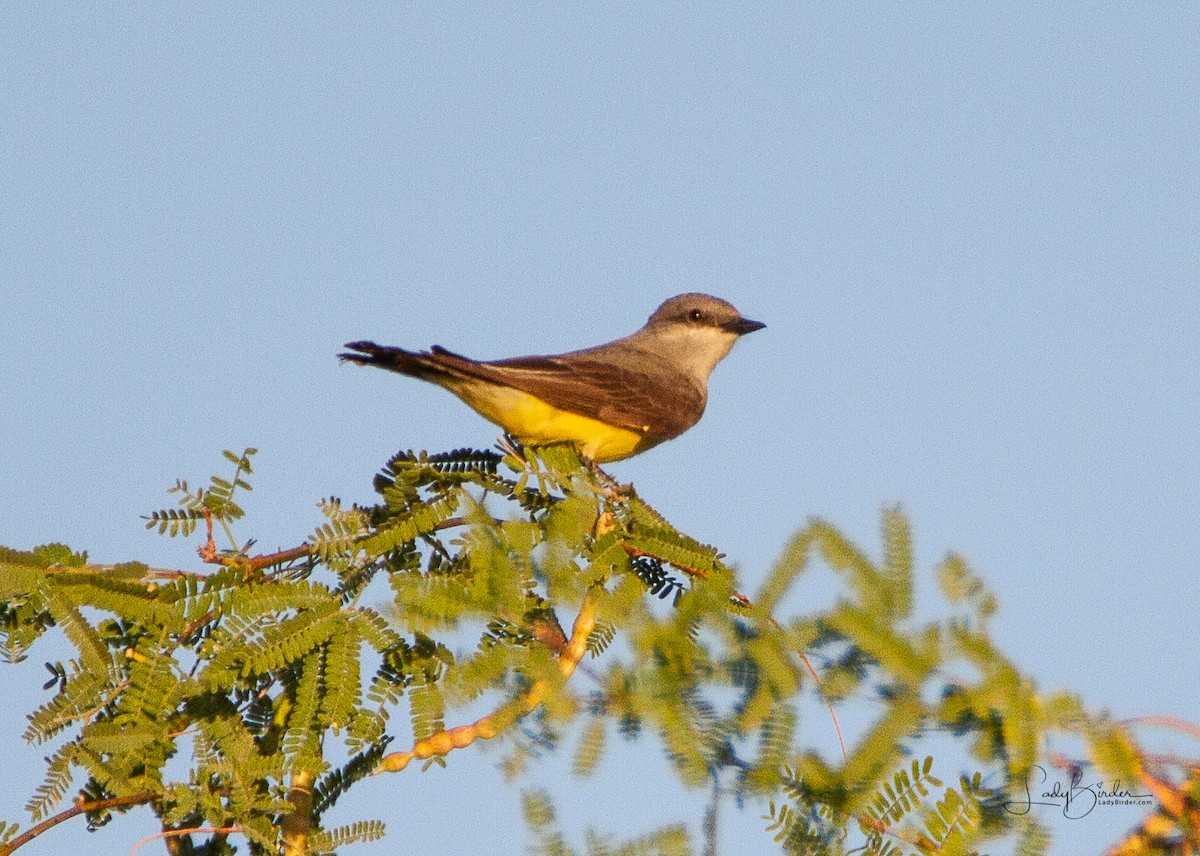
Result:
pixel 695 331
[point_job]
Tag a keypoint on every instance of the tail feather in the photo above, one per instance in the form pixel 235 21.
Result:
pixel 411 363
pixel 427 365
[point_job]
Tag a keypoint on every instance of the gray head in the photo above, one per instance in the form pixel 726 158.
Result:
pixel 703 310
pixel 695 331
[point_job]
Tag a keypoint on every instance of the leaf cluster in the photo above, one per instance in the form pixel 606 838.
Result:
pixel 281 684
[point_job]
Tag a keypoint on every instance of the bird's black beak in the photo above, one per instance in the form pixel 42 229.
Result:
pixel 742 326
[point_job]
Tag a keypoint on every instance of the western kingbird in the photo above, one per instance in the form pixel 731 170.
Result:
pixel 611 401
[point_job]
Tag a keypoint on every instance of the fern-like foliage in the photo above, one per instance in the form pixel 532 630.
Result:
pixel 326 842
pixel 277 675
pixel 548 840
pixel 217 500
pixel 54 786
pixel 8 831
pixel 332 786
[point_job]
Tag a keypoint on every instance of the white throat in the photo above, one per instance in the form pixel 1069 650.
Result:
pixel 693 350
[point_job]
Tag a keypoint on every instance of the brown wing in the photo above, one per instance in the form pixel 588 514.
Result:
pixel 661 405
pixel 636 391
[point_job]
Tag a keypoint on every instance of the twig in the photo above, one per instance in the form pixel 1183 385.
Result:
pixel 211 555
pixel 80 807
pixel 837 726
pixel 85 715
pixel 489 726
pixel 1173 722
pixel 173 833
pixel 259 562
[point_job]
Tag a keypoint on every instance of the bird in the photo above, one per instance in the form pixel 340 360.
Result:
pixel 611 401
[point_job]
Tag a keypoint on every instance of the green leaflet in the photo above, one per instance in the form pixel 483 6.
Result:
pixel 301 742
pixel 40 557
pixel 895 653
pixel 961 585
pixel 787 568
pixel 82 692
pixel 292 640
pixel 878 750
pixel 897 570
pixel 342 677
pixel 117 738
pixel 19 580
pixel 775 748
pixel 55 784
pixel 590 749
pixel 8 831
pixel 93 653
pixel 904 793
pixel 330 787
pixel 405 527
pixel 1034 840
pixel 130 599
pixel 151 682
pixel 196 597
pixel 375 631
pixel 342 533
pixel 427 710
pixel 251 599
pixel 327 841
pixel 672 547
pixel 954 816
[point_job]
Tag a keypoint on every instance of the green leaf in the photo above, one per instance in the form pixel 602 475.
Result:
pixel 591 747
pixel 897 563
pixel 302 741
pixel 427 710
pixel 93 653
pixel 894 653
pixel 404 528
pixel 787 568
pixel 129 599
pixel 342 675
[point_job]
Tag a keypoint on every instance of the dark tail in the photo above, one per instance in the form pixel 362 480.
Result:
pixel 423 364
pixel 393 359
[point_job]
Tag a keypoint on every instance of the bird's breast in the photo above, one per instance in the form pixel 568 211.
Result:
pixel 534 422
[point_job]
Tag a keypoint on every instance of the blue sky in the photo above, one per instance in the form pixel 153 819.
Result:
pixel 972 233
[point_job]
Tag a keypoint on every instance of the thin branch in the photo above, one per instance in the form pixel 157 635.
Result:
pixel 211 555
pixel 1173 722
pixel 80 807
pixel 259 562
pixel 149 574
pixel 86 715
pixel 489 726
pixel 186 635
pixel 837 726
pixel 173 833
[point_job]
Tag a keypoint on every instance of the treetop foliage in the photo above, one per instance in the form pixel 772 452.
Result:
pixel 282 682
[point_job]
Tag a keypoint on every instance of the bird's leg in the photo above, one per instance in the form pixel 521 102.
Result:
pixel 614 489
pixel 508 445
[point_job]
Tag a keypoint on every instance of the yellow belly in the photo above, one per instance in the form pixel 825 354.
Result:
pixel 535 423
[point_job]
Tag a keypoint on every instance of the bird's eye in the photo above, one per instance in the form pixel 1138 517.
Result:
pixel 696 315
